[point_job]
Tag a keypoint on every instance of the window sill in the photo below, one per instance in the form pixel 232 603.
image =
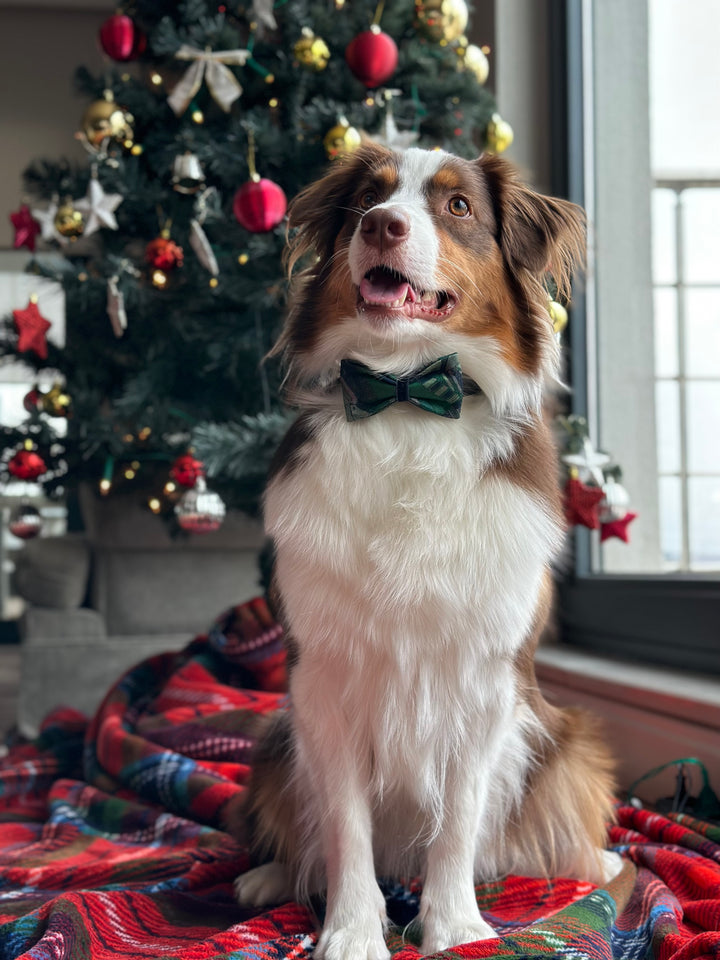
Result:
pixel 650 715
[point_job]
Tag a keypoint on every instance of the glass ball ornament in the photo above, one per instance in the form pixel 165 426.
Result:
pixel 56 402
pixel 163 253
pixel 311 51
pixel 259 204
pixel 441 20
pixel 105 120
pixel 25 521
pixel 499 134
pixel 121 39
pixel 341 139
pixel 186 470
pixel 473 59
pixel 26 465
pixel 372 56
pixel 69 221
pixel 200 510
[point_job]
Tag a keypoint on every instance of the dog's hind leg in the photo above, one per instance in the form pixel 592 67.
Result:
pixel 560 828
pixel 267 884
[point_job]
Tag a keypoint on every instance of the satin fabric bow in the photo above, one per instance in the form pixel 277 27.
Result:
pixel 212 65
pixel 437 388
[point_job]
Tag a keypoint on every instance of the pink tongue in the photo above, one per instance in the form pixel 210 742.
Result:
pixel 383 289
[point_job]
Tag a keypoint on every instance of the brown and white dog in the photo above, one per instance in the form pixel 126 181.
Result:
pixel 413 560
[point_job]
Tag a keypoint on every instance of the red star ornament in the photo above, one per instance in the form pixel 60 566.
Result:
pixel 32 327
pixel 617 528
pixel 581 504
pixel 26 228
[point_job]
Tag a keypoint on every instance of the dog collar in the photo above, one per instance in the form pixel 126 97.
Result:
pixel 438 387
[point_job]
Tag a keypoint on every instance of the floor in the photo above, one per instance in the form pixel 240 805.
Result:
pixel 9 685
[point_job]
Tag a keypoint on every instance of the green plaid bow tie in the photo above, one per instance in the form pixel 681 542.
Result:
pixel 438 388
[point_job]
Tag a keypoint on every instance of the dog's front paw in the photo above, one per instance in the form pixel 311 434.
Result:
pixel 267 884
pixel 440 933
pixel 351 943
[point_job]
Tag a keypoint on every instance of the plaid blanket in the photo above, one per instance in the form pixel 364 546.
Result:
pixel 111 842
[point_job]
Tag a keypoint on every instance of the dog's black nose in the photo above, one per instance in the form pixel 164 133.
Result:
pixel 384 228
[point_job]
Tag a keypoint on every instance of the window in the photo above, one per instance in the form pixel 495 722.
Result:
pixel 645 351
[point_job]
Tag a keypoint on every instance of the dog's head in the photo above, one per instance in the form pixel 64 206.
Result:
pixel 421 253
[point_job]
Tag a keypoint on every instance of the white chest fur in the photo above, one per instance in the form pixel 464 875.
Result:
pixel 390 532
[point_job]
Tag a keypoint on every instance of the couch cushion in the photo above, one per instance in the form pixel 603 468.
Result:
pixel 169 591
pixel 53 571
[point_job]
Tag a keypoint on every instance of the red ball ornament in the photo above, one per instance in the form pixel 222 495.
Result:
pixel 121 39
pixel 259 205
pixel 164 254
pixel 26 465
pixel 186 470
pixel 32 400
pixel 372 56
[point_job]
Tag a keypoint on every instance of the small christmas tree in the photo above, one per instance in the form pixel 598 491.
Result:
pixel 170 238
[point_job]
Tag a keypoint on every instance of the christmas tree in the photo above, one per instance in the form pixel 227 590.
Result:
pixel 168 243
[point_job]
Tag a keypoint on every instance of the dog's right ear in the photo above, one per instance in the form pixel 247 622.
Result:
pixel 317 214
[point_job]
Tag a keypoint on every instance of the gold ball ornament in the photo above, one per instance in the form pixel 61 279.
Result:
pixel 341 139
pixel 558 315
pixel 473 59
pixel 105 120
pixel 499 134
pixel 69 222
pixel 56 402
pixel 311 51
pixel 441 20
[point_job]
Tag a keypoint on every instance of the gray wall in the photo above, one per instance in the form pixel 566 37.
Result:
pixel 39 111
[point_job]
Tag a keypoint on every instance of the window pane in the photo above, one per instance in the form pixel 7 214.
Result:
pixel 671 524
pixel 663 236
pixel 668 426
pixel 703 427
pixel 704 523
pixel 666 343
pixel 701 238
pixel 702 332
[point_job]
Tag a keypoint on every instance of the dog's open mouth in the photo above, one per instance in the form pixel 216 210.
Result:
pixel 384 290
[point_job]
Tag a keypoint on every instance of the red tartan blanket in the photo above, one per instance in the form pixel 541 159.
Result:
pixel 110 839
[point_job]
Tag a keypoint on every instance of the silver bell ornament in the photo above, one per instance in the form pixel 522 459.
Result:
pixel 615 502
pixel 25 521
pixel 187 173
pixel 200 510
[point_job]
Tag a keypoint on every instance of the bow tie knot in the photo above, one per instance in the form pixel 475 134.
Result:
pixel 436 387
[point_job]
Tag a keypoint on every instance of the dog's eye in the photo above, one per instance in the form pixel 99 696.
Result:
pixel 458 207
pixel 368 199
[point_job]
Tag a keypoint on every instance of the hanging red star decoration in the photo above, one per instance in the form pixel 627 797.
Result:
pixel 617 528
pixel 32 327
pixel 26 228
pixel 581 503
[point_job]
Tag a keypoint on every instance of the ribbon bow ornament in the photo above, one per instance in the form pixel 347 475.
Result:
pixel 214 67
pixel 437 388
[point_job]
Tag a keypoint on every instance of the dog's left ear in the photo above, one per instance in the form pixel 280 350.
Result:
pixel 534 232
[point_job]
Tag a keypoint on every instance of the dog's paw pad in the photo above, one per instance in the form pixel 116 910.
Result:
pixel 439 936
pixel 349 944
pixel 264 885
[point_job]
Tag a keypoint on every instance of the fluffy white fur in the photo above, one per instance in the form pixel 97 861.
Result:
pixel 396 544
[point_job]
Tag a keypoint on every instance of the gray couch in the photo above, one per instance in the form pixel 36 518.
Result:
pixel 100 602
